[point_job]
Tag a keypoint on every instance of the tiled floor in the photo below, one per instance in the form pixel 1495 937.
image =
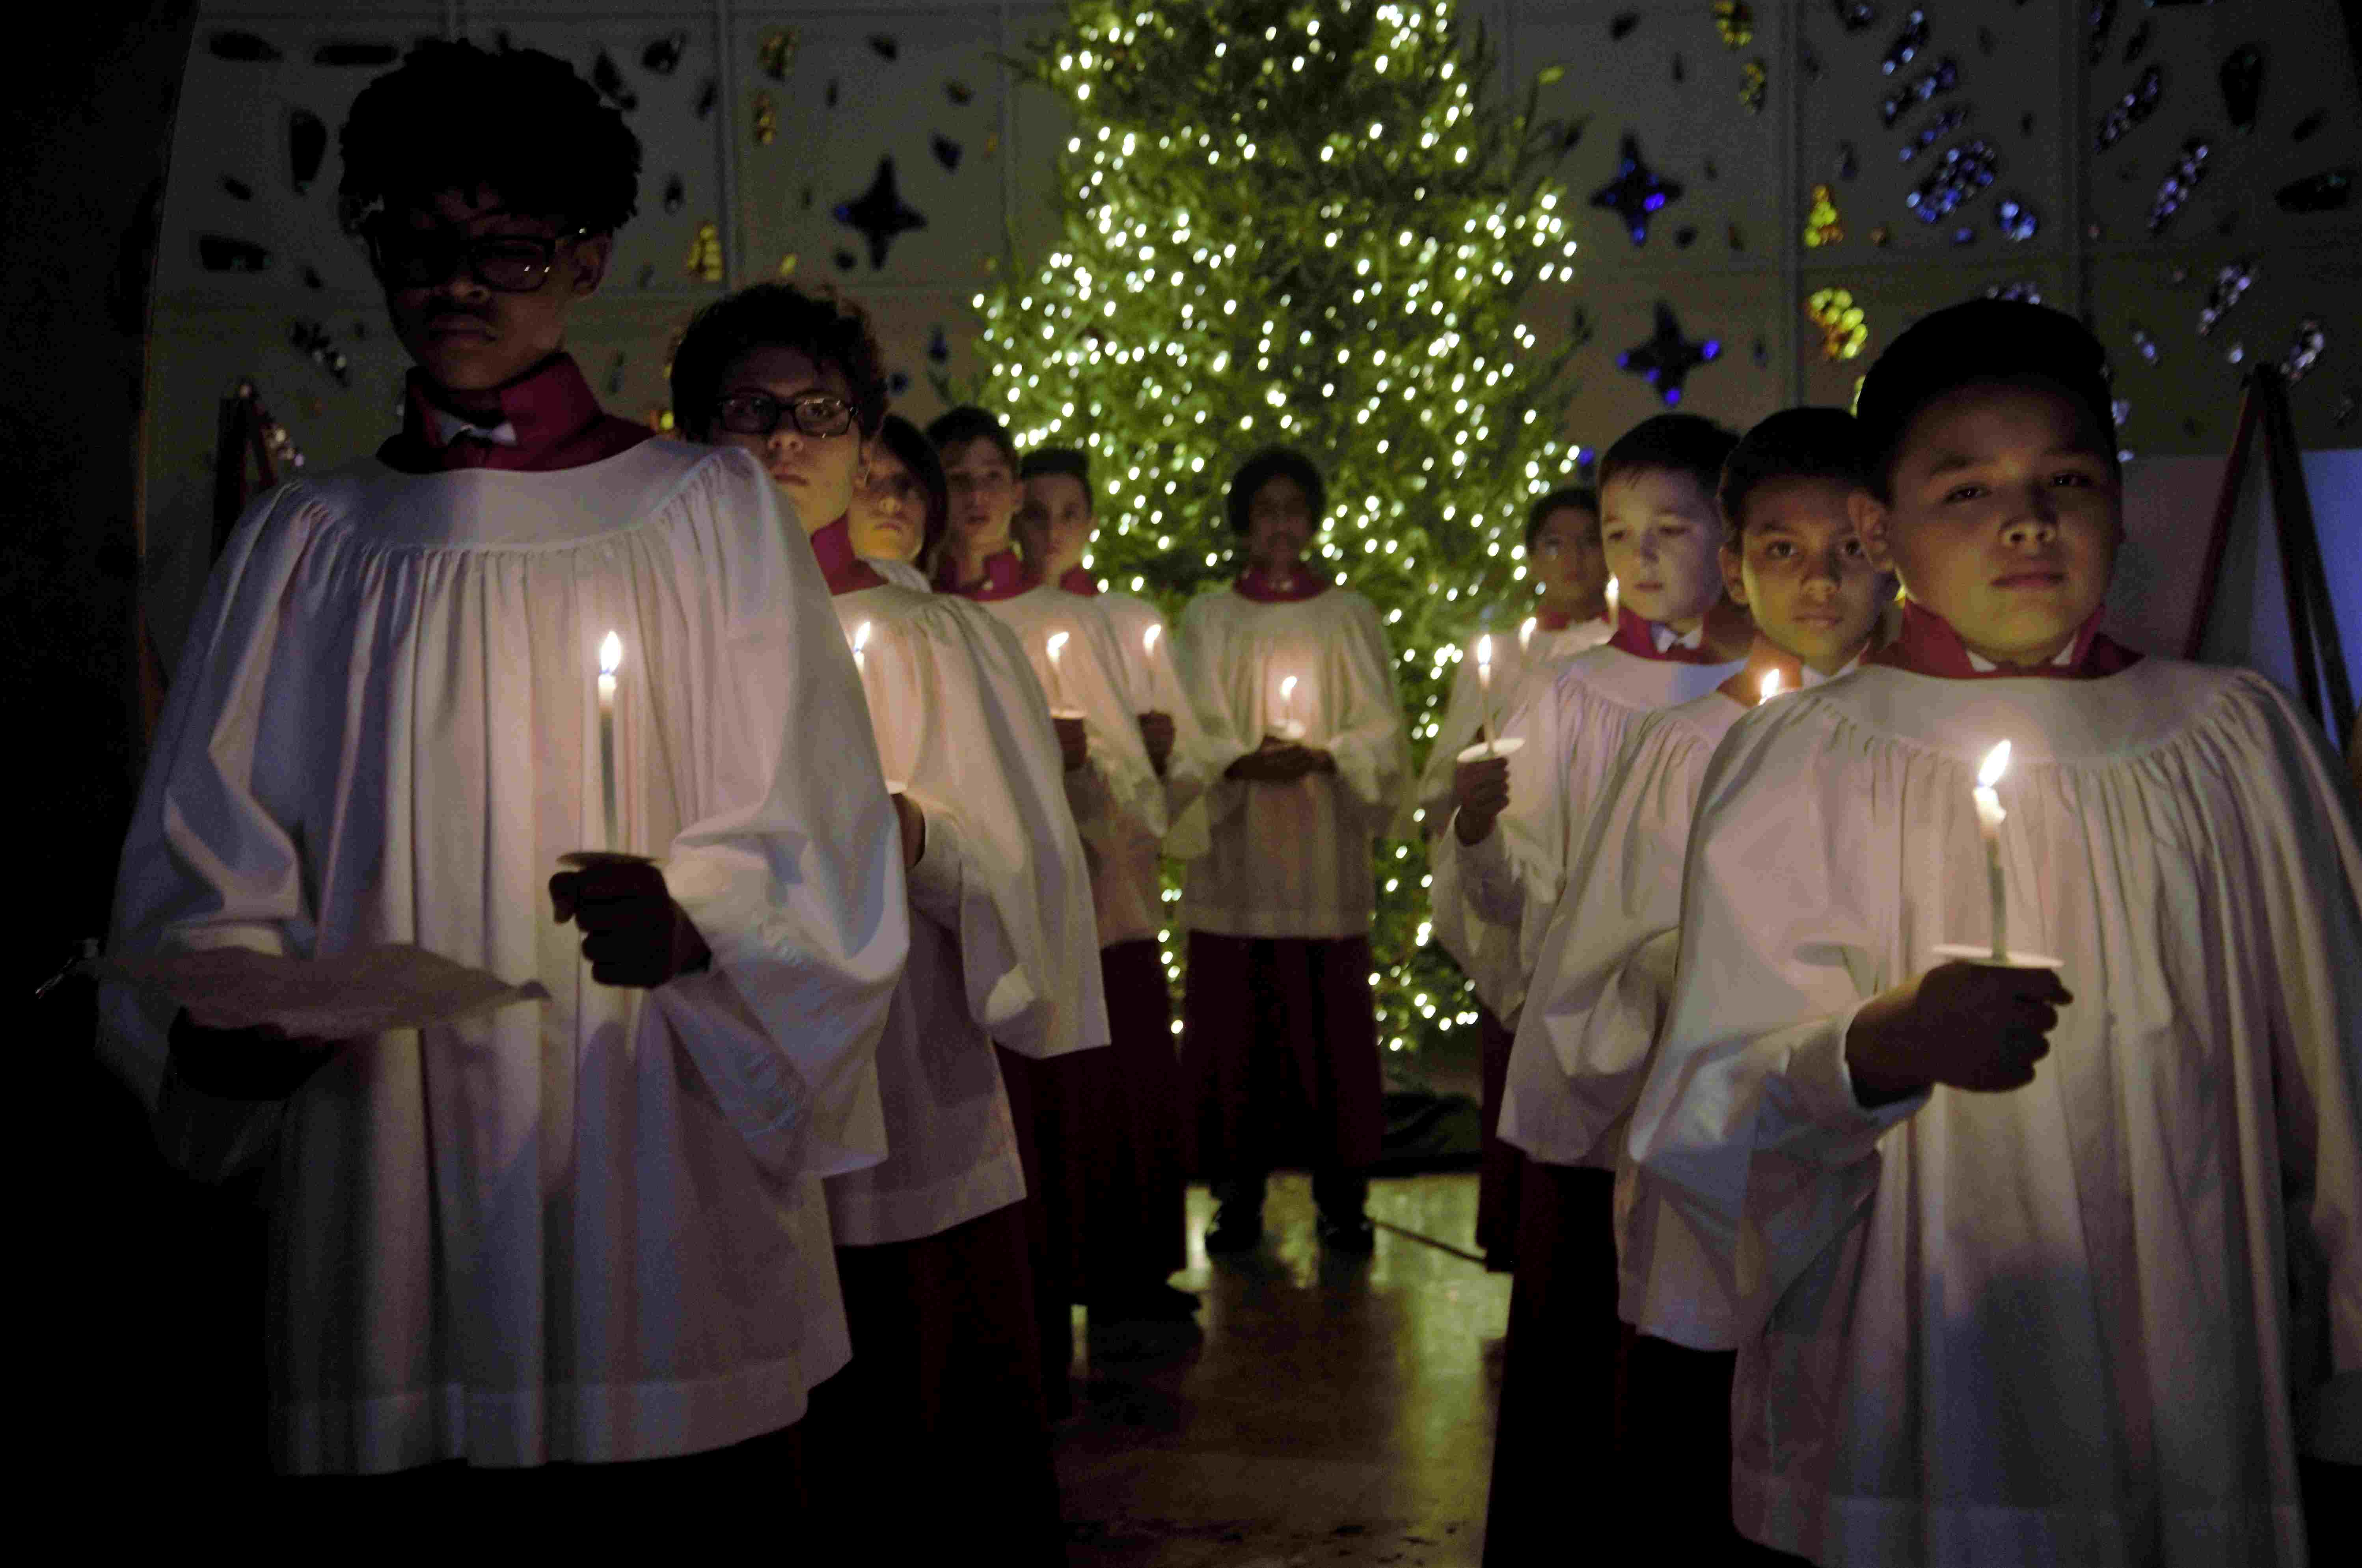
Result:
pixel 1338 1411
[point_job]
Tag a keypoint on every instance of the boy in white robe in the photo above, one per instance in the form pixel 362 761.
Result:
pixel 901 505
pixel 1794 560
pixel 1569 614
pixel 1136 1201
pixel 2034 1267
pixel 588 1230
pixel 933 1242
pixel 1116 797
pixel 1295 689
pixel 1501 868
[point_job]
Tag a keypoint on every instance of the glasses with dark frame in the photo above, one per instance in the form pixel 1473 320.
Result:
pixel 421 258
pixel 758 413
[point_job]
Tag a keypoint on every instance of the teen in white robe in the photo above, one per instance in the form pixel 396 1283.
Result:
pixel 585 1229
pixel 1004 947
pixel 1492 899
pixel 2091 1321
pixel 1293 860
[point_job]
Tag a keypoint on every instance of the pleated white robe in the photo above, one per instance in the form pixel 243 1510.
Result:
pixel 1154 680
pixel 1002 940
pixel 2088 1321
pixel 1293 860
pixel 590 1230
pixel 1491 900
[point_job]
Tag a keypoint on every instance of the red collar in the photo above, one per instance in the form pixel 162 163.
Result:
pixel 846 572
pixel 1074 579
pixel 1928 646
pixel 1302 584
pixel 1004 577
pixel 558 421
pixel 1638 637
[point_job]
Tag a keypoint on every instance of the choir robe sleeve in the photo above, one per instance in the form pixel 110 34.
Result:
pixel 961 724
pixel 1791 922
pixel 1605 974
pixel 1368 741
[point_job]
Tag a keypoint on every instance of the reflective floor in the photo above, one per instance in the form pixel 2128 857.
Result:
pixel 1337 1410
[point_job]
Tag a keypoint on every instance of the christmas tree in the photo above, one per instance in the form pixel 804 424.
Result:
pixel 1301 222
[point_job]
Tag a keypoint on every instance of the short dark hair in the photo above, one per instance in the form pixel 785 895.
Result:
pixel 453 116
pixel 968 422
pixel 916 453
pixel 1271 463
pixel 1064 461
pixel 1793 444
pixel 1566 497
pixel 1977 341
pixel 826 329
pixel 1687 444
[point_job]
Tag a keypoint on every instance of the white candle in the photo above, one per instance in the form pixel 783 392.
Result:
pixel 1526 635
pixel 610 659
pixel 1056 646
pixel 1771 684
pixel 1484 684
pixel 860 649
pixel 1287 706
pixel 1148 639
pixel 1989 816
pixel 1612 592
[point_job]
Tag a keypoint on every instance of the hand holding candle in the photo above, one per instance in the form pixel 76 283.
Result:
pixel 1989 816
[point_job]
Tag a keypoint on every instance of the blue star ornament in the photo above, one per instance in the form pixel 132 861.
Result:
pixel 1637 194
pixel 1666 358
pixel 879 214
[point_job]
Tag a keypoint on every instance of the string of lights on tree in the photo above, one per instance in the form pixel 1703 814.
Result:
pixel 1301 221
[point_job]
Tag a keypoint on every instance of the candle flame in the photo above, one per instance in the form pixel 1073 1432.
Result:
pixel 1148 639
pixel 611 655
pixel 1056 645
pixel 1989 772
pixel 1288 688
pixel 1771 684
pixel 1614 589
pixel 1526 634
pixel 861 636
pixel 1485 652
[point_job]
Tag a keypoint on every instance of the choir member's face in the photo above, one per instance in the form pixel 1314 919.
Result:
pixel 1054 525
pixel 468 336
pixel 1662 534
pixel 1279 525
pixel 1566 559
pixel 1800 568
pixel 888 520
pixel 816 472
pixel 2005 516
pixel 984 494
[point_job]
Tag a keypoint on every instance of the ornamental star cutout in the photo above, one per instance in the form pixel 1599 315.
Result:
pixel 1666 358
pixel 879 214
pixel 1636 193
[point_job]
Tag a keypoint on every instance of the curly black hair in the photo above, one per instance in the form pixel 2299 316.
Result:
pixel 1271 463
pixel 453 117
pixel 824 328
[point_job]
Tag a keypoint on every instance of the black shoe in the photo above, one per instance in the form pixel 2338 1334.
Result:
pixel 1348 1233
pixel 1234 1230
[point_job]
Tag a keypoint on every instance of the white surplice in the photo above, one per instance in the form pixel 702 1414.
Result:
pixel 587 1229
pixel 1491 900
pixel 1519 664
pixel 2090 1320
pixel 1296 859
pixel 1155 681
pixel 1001 941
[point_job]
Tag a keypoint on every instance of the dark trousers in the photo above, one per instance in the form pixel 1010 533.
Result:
pixel 1280 1047
pixel 1498 1169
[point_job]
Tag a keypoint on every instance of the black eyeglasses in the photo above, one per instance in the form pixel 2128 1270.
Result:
pixel 420 258
pixel 758 413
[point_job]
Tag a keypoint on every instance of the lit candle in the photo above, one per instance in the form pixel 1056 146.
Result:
pixel 1485 683
pixel 1287 707
pixel 860 647
pixel 610 659
pixel 1771 684
pixel 1612 592
pixel 1989 816
pixel 1056 646
pixel 1526 635
pixel 1148 639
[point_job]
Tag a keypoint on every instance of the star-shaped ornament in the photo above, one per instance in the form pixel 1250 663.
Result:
pixel 1637 194
pixel 1666 358
pixel 879 214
